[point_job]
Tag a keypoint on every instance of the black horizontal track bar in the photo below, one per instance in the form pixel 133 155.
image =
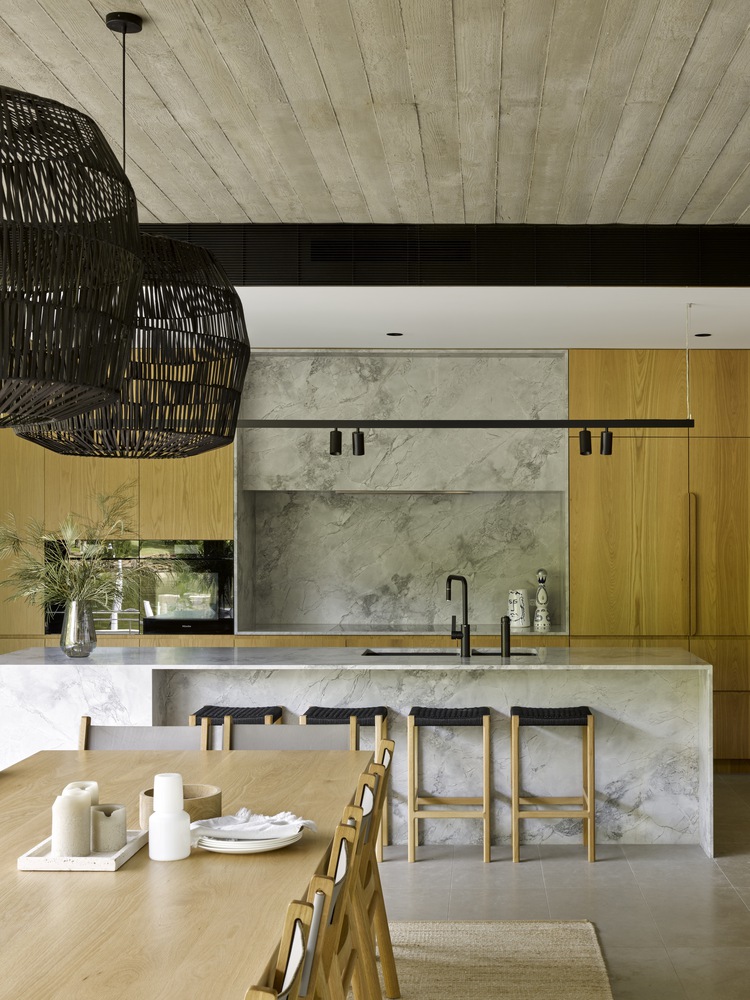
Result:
pixel 467 424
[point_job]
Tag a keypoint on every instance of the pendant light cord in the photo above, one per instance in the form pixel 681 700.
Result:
pixel 687 359
pixel 124 34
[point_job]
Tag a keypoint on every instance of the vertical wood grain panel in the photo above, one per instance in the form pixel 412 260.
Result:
pixel 629 539
pixel 732 724
pixel 188 497
pixel 720 400
pixel 730 659
pixel 21 494
pixel 628 384
pixel 71 483
pixel 720 479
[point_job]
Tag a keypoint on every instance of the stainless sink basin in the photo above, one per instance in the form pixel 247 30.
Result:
pixel 395 651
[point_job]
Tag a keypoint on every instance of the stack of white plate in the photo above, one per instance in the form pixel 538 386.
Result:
pixel 222 845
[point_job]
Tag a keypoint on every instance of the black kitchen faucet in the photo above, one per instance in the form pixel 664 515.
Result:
pixel 464 633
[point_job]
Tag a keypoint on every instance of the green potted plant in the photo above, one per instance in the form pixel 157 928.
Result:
pixel 73 566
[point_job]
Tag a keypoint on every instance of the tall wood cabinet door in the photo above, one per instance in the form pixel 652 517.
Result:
pixel 629 539
pixel 627 384
pixel 188 497
pixel 71 484
pixel 720 481
pixel 718 392
pixel 21 494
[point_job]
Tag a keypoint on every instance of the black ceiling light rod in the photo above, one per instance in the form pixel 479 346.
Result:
pixel 465 424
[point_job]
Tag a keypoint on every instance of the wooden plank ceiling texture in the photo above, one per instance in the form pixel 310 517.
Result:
pixel 417 111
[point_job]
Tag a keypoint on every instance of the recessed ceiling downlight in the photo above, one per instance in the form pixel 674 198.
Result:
pixel 394 334
pixel 703 335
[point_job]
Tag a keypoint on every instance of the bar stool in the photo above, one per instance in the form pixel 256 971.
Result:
pixel 420 716
pixel 376 716
pixel 269 715
pixel 581 807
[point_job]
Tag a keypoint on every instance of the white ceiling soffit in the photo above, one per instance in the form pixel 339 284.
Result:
pixel 495 317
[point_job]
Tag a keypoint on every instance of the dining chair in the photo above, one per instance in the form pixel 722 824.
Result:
pixel 142 737
pixel 371 888
pixel 292 737
pixel 348 956
pixel 290 960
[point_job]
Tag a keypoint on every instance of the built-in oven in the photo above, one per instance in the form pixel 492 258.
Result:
pixel 189 589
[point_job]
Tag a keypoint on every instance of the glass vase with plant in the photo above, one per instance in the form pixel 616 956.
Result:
pixel 74 566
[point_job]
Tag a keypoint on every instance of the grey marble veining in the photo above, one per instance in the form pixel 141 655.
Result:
pixel 653 709
pixel 327 558
pixel 375 385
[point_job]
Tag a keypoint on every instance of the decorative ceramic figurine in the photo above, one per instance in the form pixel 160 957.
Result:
pixel 518 609
pixel 541 615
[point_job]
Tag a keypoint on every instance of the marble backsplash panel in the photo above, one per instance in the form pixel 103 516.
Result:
pixel 325 558
pixel 388 385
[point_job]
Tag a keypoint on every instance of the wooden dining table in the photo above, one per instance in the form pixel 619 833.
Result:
pixel 205 927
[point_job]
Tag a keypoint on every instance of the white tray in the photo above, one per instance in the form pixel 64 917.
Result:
pixel 38 859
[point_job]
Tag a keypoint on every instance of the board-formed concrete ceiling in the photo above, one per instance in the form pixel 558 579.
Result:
pixel 416 111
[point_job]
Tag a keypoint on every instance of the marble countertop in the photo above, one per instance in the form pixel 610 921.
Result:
pixel 343 658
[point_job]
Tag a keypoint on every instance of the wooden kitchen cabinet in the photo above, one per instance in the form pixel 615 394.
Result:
pixel 719 397
pixel 629 539
pixel 188 497
pixel 720 483
pixel 72 482
pixel 628 385
pixel 21 494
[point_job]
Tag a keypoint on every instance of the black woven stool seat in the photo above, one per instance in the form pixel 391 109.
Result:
pixel 241 716
pixel 448 716
pixel 318 716
pixel 552 716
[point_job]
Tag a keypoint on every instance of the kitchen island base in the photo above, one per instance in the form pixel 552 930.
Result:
pixel 653 708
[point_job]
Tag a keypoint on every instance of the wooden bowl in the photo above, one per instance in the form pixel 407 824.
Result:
pixel 201 802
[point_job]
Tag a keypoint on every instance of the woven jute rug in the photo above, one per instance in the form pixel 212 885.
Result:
pixel 495 959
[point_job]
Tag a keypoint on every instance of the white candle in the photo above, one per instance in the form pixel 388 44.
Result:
pixel 71 824
pixel 108 828
pixel 92 787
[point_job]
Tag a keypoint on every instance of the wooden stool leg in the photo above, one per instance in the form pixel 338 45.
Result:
pixel 486 800
pixel 585 772
pixel 590 823
pixel 353 732
pixel 381 733
pixel 514 788
pixel 412 787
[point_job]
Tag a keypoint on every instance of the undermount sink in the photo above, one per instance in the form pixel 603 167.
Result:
pixel 395 651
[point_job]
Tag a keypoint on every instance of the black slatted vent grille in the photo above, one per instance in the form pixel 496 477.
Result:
pixel 474 255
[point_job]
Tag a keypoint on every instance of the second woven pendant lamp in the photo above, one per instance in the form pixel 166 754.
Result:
pixel 70 264
pixel 189 355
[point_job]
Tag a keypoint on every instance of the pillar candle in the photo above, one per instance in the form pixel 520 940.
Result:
pixel 71 824
pixel 108 828
pixel 92 787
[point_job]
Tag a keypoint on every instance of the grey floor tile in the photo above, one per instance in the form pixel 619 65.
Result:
pixel 643 974
pixel 622 918
pixel 699 917
pixel 736 869
pixel 514 904
pixel 713 973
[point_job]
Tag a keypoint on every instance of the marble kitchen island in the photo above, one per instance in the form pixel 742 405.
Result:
pixel 653 708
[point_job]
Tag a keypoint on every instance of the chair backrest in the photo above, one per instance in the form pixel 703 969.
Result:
pixel 291 956
pixel 142 737
pixel 291 737
pixel 320 895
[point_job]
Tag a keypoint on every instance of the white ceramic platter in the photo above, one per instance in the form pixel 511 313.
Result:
pixel 220 846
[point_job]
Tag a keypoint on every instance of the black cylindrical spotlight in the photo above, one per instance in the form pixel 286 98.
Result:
pixel 605 447
pixel 335 442
pixel 358 442
pixel 584 441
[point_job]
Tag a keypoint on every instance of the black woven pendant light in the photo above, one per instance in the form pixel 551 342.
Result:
pixel 181 393
pixel 70 268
